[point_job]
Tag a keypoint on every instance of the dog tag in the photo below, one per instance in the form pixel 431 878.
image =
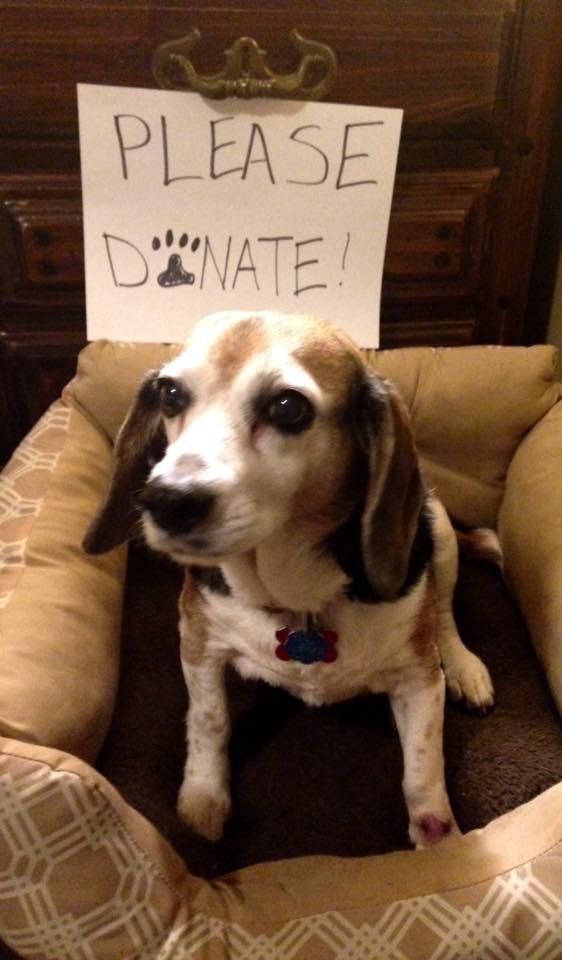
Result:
pixel 311 645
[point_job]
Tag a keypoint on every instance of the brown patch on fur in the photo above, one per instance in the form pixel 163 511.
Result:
pixel 423 637
pixel 233 349
pixel 326 499
pixel 332 489
pixel 193 621
pixel 335 365
pixel 213 723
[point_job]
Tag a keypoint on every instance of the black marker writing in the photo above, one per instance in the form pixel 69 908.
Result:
pixel 167 178
pixel 282 262
pixel 247 267
pixel 301 264
pixel 257 134
pixel 344 257
pixel 276 241
pixel 325 162
pixel 208 251
pixel 140 263
pixel 215 147
pixel 123 146
pixel 249 155
pixel 346 157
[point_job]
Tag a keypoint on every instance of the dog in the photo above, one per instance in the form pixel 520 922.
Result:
pixel 280 471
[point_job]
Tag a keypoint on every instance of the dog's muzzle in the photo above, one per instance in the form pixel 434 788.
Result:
pixel 174 510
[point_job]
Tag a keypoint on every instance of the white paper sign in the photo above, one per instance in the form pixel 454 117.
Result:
pixel 192 206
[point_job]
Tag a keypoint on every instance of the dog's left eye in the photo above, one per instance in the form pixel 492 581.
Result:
pixel 290 411
pixel 173 396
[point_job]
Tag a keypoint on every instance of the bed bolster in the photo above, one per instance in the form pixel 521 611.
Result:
pixel 530 526
pixel 470 407
pixel 498 885
pixel 60 610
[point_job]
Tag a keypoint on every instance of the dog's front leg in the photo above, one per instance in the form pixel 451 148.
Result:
pixel 204 797
pixel 417 704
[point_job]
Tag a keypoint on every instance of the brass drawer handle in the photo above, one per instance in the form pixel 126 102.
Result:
pixel 245 73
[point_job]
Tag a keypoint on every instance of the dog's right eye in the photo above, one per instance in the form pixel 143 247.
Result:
pixel 174 398
pixel 290 411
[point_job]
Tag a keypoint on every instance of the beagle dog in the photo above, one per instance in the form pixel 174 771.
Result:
pixel 280 471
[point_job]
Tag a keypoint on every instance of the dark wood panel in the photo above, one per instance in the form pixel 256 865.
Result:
pixel 49 238
pixel 437 235
pixel 12 423
pixel 41 242
pixel 523 158
pixel 419 331
pixel 445 64
pixel 35 364
pixel 42 322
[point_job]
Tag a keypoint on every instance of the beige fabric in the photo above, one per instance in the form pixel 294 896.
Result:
pixel 107 376
pixel 470 408
pixel 59 630
pixel 531 532
pixel 495 893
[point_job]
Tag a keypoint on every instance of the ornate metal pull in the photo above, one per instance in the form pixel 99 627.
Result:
pixel 245 73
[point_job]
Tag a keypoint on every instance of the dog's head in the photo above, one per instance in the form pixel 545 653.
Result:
pixel 265 421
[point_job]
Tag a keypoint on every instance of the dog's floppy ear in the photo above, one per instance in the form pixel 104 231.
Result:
pixel 395 492
pixel 140 443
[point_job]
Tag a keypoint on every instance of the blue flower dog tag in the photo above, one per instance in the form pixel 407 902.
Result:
pixel 310 645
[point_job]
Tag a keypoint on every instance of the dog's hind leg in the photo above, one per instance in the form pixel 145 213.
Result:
pixel 467 677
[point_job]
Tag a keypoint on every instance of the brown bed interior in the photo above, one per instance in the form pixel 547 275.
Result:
pixel 324 781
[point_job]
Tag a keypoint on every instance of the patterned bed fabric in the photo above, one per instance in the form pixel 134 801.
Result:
pixel 22 490
pixel 59 611
pixel 82 875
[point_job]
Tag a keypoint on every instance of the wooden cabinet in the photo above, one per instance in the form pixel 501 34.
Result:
pixel 477 80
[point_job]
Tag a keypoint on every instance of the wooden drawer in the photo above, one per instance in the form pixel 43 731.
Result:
pixel 50 244
pixel 437 234
pixel 41 232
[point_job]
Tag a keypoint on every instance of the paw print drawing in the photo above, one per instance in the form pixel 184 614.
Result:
pixel 175 273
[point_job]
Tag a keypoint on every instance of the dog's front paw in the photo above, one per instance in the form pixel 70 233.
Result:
pixel 204 810
pixel 427 829
pixel 468 679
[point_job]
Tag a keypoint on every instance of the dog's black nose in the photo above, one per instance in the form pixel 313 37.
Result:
pixel 176 511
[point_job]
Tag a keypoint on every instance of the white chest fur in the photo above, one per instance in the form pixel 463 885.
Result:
pixel 373 644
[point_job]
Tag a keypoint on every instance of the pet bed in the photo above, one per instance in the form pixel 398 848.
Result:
pixel 84 874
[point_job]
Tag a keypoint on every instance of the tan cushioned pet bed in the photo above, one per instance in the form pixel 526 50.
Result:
pixel 84 875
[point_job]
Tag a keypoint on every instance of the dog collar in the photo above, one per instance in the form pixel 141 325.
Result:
pixel 308 644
